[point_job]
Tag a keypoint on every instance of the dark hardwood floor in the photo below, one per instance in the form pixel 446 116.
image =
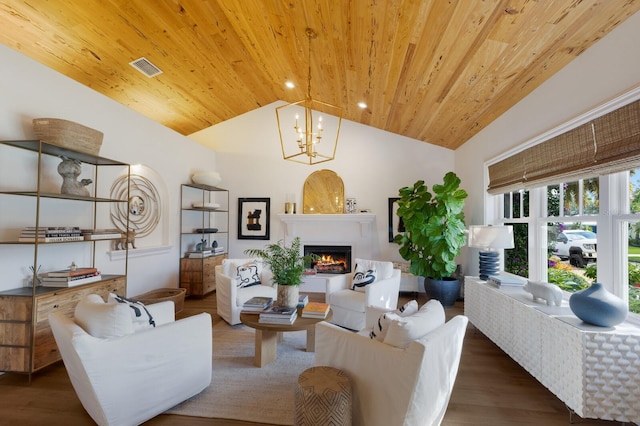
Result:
pixel 491 389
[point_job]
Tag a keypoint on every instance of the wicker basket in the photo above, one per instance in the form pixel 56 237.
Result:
pixel 176 295
pixel 68 134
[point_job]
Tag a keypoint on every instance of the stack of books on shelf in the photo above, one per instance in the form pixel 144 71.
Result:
pixel 50 234
pixel 501 281
pixel 315 310
pixel 278 315
pixel 218 250
pixel 198 254
pixel 303 299
pixel 101 234
pixel 256 304
pixel 70 278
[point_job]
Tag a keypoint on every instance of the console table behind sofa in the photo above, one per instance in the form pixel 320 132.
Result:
pixel 595 371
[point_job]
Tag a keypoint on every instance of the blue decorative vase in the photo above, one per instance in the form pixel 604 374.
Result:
pixel 596 305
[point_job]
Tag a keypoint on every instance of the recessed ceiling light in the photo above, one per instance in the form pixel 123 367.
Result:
pixel 362 105
pixel 289 84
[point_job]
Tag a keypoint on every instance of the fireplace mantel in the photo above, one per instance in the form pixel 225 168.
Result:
pixel 363 219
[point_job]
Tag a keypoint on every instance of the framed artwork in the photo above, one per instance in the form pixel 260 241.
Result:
pixel 253 218
pixel 396 226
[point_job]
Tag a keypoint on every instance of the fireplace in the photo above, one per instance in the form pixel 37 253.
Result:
pixel 332 259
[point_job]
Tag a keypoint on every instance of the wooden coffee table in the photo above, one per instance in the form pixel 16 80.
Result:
pixel 267 335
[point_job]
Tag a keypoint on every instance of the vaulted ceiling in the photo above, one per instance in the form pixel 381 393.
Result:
pixel 434 70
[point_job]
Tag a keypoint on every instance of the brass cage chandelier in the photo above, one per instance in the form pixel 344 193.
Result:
pixel 312 140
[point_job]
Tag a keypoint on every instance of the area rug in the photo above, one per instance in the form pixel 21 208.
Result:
pixel 241 391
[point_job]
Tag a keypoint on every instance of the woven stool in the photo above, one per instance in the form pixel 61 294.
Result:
pixel 323 397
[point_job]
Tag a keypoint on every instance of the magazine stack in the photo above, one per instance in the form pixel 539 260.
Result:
pixel 278 315
pixel 256 304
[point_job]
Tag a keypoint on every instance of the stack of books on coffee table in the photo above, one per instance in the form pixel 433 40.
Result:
pixel 278 315
pixel 256 304
pixel 315 310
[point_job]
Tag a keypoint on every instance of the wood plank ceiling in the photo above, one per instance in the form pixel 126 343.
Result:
pixel 434 70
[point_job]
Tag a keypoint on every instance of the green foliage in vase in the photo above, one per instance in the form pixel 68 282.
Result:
pixel 434 226
pixel 286 263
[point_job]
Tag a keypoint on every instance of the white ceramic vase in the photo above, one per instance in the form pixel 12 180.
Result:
pixel 288 295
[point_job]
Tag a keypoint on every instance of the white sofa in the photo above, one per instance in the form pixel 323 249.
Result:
pixel 230 297
pixel 348 306
pixel 129 379
pixel 393 385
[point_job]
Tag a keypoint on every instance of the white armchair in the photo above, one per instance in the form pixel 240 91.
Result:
pixel 230 297
pixel 129 379
pixel 393 385
pixel 349 305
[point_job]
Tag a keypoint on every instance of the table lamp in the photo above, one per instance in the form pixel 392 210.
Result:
pixel 490 239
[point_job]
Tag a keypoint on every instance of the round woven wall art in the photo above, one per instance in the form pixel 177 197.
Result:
pixel 143 207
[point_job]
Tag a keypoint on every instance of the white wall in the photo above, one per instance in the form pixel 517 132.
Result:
pixel 29 90
pixel 607 69
pixel 373 165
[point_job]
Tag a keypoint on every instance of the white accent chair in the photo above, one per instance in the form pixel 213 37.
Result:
pixel 230 298
pixel 392 385
pixel 349 306
pixel 128 380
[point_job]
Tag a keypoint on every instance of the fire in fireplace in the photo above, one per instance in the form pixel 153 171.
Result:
pixel 331 259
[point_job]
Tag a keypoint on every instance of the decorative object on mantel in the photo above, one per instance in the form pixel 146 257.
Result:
pixel 596 305
pixel 323 193
pixel 287 266
pixel 302 145
pixel 70 170
pixel 351 205
pixel 490 239
pixel 290 204
pixel 68 134
pixel 434 234
pixel 144 207
pixel 206 178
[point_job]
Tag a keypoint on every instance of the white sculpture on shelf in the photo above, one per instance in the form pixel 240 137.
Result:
pixel 551 293
pixel 70 169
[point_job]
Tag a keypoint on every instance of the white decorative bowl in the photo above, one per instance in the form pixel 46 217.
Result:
pixel 206 178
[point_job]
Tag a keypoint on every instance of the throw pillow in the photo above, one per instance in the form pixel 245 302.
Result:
pixel 141 318
pixel 380 329
pixel 247 275
pixel 102 320
pixel 383 268
pixel 405 330
pixel 362 278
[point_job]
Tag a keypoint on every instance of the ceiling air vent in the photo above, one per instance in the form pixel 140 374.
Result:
pixel 146 67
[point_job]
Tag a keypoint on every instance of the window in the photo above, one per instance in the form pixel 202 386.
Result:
pixel 564 243
pixel 580 218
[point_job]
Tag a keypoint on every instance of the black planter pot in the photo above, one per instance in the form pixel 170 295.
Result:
pixel 446 290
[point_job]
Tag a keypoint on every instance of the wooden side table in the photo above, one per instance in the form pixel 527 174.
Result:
pixel 267 334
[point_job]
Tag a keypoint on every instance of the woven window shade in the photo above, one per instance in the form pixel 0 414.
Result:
pixel 608 144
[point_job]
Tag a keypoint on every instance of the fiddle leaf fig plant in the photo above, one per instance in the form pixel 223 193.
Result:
pixel 434 226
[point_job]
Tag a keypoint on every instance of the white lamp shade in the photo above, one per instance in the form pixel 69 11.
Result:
pixel 491 237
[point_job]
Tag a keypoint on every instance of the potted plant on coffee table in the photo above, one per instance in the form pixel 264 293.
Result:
pixel 434 234
pixel 287 265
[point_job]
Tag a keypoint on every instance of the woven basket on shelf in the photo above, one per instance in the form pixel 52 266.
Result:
pixel 68 134
pixel 176 295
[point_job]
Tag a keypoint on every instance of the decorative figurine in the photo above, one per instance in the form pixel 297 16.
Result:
pixel 127 238
pixel 70 169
